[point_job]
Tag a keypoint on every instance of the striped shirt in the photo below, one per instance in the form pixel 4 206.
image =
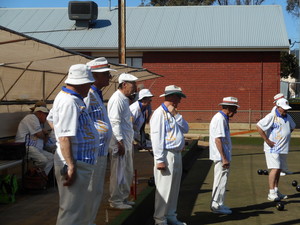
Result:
pixel 98 114
pixel 71 119
pixel 166 132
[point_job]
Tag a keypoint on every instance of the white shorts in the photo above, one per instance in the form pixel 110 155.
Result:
pixel 275 160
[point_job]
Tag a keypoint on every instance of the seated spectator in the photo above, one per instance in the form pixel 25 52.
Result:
pixel 30 131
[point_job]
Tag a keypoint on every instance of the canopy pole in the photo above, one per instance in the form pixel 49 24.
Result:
pixel 44 83
pixel 16 81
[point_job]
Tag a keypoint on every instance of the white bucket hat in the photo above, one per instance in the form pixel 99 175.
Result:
pixel 99 65
pixel 41 109
pixel 283 103
pixel 126 77
pixel 173 89
pixel 144 93
pixel 230 101
pixel 278 96
pixel 79 74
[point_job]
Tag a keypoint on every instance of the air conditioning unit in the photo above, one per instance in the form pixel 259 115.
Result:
pixel 83 10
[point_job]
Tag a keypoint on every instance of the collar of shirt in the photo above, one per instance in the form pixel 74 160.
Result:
pixel 141 107
pixel 279 115
pixel 94 88
pixel 225 116
pixel 67 90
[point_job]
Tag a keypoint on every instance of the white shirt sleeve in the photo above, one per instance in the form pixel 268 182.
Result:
pixel 266 122
pixel 115 113
pixel 183 125
pixel 157 131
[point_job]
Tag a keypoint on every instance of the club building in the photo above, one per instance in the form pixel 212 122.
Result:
pixel 209 51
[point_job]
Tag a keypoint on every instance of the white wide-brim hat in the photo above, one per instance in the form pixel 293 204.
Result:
pixel 126 77
pixel 99 65
pixel 144 93
pixel 79 74
pixel 172 90
pixel 230 101
pixel 283 103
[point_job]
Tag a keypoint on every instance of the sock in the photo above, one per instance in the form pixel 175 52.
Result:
pixel 276 189
pixel 272 191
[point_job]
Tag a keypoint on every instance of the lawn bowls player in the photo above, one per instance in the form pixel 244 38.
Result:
pixel 275 128
pixel 167 127
pixel 77 147
pixel 220 152
pixel 121 145
pixel 97 111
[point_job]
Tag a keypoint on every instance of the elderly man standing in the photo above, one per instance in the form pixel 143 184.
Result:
pixel 220 152
pixel 32 125
pixel 139 110
pixel 275 128
pixel 167 127
pixel 97 111
pixel 77 147
pixel 121 145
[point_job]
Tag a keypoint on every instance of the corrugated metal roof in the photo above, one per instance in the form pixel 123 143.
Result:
pixel 158 28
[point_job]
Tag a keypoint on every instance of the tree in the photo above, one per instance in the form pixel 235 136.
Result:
pixel 289 65
pixel 293 7
pixel 239 2
pixel 180 2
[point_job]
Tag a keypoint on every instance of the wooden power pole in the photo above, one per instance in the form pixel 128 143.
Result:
pixel 122 31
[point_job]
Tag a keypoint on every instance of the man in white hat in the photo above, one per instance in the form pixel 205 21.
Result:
pixel 275 128
pixel 167 127
pixel 77 147
pixel 140 109
pixel 284 170
pixel 30 130
pixel 220 152
pixel 98 113
pixel 121 164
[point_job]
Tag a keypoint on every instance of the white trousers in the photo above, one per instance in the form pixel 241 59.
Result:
pixel 121 176
pixel 167 188
pixel 41 158
pixel 219 186
pixel 96 186
pixel 73 204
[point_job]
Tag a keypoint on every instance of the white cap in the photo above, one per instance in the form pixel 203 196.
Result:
pixel 144 93
pixel 230 101
pixel 173 89
pixel 278 96
pixel 126 77
pixel 283 103
pixel 99 65
pixel 79 74
pixel 41 109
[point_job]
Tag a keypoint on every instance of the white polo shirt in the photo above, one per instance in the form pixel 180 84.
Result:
pixel 278 130
pixel 219 128
pixel 31 125
pixel 166 132
pixel 71 119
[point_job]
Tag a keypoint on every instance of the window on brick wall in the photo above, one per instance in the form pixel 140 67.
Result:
pixel 130 61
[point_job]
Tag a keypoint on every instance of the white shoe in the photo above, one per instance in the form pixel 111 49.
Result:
pixel 175 222
pixel 129 202
pixel 221 210
pixel 282 174
pixel 281 196
pixel 273 197
pixel 120 206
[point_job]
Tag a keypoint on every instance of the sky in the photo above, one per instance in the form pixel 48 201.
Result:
pixel 292 23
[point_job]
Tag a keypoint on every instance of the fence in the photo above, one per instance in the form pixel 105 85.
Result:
pixel 248 117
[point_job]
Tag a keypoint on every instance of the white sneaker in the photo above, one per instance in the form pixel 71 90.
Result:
pixel 221 210
pixel 120 206
pixel 273 197
pixel 282 174
pixel 129 202
pixel 175 222
pixel 281 196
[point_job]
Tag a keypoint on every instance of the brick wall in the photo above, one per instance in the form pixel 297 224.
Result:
pixel 206 77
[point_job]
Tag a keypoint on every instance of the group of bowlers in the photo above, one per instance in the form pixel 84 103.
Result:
pixel 87 132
